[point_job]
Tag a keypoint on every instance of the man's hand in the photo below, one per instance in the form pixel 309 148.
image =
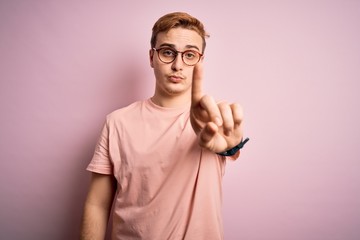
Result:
pixel 218 125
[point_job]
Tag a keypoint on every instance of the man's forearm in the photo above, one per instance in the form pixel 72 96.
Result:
pixel 94 223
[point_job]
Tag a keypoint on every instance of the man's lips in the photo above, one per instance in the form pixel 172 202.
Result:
pixel 175 78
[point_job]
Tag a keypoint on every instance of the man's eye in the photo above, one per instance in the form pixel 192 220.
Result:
pixel 168 53
pixel 190 55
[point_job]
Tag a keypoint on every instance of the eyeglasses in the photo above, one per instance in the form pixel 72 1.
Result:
pixel 168 55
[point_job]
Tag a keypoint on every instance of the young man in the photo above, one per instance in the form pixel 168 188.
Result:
pixel 161 159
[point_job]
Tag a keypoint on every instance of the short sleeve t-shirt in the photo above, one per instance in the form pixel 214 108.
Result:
pixel 168 187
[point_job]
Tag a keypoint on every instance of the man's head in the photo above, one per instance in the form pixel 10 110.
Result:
pixel 177 45
pixel 178 20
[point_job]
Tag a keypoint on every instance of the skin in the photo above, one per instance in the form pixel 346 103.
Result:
pixel 217 125
pixel 98 206
pixel 170 92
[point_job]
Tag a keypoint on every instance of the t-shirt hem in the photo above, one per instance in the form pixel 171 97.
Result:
pixel 97 170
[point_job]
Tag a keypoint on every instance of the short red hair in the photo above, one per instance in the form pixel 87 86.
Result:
pixel 174 20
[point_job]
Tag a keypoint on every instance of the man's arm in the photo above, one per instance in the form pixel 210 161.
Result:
pixel 98 206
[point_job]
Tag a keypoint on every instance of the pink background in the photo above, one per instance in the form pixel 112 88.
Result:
pixel 293 65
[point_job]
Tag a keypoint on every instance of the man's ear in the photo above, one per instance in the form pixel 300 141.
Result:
pixel 151 57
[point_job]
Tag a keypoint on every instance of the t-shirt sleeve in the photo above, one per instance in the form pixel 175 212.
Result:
pixel 231 158
pixel 234 157
pixel 101 161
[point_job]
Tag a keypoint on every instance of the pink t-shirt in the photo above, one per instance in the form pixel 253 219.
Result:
pixel 168 186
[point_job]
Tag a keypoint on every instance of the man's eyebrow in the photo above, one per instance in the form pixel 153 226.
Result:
pixel 192 46
pixel 167 45
pixel 173 46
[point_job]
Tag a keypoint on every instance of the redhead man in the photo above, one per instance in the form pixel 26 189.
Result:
pixel 160 162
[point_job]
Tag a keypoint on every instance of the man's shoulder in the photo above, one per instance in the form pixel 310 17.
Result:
pixel 125 110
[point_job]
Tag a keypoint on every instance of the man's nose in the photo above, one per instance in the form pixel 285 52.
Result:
pixel 178 63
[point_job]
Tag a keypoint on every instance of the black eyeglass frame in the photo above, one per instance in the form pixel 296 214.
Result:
pixel 177 53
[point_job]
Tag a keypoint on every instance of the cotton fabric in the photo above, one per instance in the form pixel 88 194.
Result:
pixel 168 187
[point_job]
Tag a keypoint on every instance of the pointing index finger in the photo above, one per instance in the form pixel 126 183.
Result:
pixel 196 92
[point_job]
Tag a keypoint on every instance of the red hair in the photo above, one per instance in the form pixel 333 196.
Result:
pixel 177 19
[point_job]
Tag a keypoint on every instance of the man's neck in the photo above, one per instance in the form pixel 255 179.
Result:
pixel 171 102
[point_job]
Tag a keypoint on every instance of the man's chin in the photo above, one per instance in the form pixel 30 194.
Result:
pixel 175 91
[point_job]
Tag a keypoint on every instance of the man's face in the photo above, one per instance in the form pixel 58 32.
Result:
pixel 173 79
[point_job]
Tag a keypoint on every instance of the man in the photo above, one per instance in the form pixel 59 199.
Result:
pixel 161 159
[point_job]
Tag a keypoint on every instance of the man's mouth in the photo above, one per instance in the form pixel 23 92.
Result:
pixel 175 78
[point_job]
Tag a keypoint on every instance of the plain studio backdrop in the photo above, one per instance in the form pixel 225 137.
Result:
pixel 293 65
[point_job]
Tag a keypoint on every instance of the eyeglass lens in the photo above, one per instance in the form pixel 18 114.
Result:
pixel 168 55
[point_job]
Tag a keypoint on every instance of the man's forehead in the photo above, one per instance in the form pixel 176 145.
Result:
pixel 180 38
